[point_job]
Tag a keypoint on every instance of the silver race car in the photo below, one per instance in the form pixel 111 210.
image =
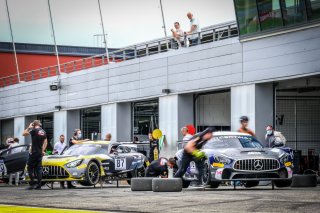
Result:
pixel 239 157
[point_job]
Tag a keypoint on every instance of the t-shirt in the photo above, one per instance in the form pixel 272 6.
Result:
pixel 197 30
pixel 159 166
pixel 37 139
pixel 59 147
pixel 73 138
pixel 180 33
pixel 248 131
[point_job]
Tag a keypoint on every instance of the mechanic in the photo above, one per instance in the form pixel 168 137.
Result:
pixel 192 153
pixel 77 138
pixel 244 121
pixel 60 146
pixel 13 143
pixel 154 147
pixel 37 151
pixel 160 167
pixel 274 138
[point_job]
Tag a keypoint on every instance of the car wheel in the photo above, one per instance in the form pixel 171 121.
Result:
pixel 251 183
pixel 282 183
pixel 92 174
pixel 207 177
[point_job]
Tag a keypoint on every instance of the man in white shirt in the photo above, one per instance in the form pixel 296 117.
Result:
pixel 186 135
pixel 194 29
pixel 178 33
pixel 59 146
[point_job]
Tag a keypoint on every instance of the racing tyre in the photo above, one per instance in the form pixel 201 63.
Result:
pixel 92 174
pixel 141 184
pixel 207 178
pixel 185 183
pixel 252 183
pixel 282 183
pixel 304 181
pixel 140 172
pixel 167 185
pixel 318 180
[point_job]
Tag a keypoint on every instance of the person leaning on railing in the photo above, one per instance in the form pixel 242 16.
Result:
pixel 194 29
pixel 178 34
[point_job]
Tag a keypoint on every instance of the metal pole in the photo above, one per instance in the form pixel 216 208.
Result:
pixel 104 35
pixel 54 40
pixel 164 26
pixel 13 44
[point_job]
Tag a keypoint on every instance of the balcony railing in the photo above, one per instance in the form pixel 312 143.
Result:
pixel 208 34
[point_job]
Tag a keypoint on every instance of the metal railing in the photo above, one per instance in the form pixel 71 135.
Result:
pixel 208 34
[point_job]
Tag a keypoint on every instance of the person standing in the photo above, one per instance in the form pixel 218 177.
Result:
pixel 37 151
pixel 154 148
pixel 186 135
pixel 12 144
pixel 244 121
pixel 177 34
pixel 194 29
pixel 108 137
pixel 192 153
pixel 76 138
pixel 60 146
pixel 274 138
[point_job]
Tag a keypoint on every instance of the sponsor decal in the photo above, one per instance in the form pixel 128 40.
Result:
pixel 287 164
pixel 254 153
pixel 220 165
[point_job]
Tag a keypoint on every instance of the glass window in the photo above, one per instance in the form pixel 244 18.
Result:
pixel 269 14
pixel 90 120
pixel 293 11
pixel 313 8
pixel 247 15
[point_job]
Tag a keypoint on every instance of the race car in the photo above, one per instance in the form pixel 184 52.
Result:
pixel 13 160
pixel 81 162
pixel 125 163
pixel 234 156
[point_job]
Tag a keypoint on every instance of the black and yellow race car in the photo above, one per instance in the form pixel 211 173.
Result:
pixel 89 162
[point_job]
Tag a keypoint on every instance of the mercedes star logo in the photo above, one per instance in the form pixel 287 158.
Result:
pixel 45 171
pixel 258 165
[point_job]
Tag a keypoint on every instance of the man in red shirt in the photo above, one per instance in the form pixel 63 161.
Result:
pixel 244 121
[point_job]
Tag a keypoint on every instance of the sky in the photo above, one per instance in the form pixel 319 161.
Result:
pixel 127 22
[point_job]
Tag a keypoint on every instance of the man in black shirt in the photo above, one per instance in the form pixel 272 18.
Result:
pixel 160 167
pixel 37 150
pixel 154 144
pixel 192 153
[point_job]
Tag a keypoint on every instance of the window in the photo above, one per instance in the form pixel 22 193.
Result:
pixel 269 14
pixel 313 9
pixel 90 120
pixel 246 11
pixel 294 11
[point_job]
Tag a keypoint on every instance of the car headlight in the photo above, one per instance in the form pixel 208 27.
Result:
pixel 223 159
pixel 73 164
pixel 284 158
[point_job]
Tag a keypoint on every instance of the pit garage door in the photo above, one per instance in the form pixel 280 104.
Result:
pixel 213 109
pixel 298 118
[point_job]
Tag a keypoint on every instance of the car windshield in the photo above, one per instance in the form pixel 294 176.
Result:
pixel 87 149
pixel 232 141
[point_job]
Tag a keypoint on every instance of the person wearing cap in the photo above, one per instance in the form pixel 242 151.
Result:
pixel 160 167
pixel 38 147
pixel 192 152
pixel 244 121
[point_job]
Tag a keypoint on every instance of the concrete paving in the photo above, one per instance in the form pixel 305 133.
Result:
pixel 122 199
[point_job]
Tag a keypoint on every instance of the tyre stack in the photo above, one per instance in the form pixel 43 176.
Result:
pixel 309 180
pixel 156 184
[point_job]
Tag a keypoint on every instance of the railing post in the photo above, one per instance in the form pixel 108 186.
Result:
pixel 57 70
pixel 65 68
pixel 199 38
pixel 92 60
pixel 135 51
pixel 32 75
pixel 229 31
pixel 113 58
pixel 185 41
pixel 159 47
pixel 24 76
pixel 49 71
pixel 82 63
pixel 74 66
pixel 10 80
pixel 40 75
pixel 213 35
pixel 102 59
pixel 147 50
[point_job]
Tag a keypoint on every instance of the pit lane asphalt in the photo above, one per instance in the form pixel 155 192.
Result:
pixel 122 199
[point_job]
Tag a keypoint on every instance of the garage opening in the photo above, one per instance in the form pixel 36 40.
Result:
pixel 213 109
pixel 298 118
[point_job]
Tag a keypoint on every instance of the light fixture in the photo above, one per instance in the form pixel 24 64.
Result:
pixel 166 91
pixel 55 86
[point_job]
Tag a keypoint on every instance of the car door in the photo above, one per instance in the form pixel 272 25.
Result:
pixel 15 159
